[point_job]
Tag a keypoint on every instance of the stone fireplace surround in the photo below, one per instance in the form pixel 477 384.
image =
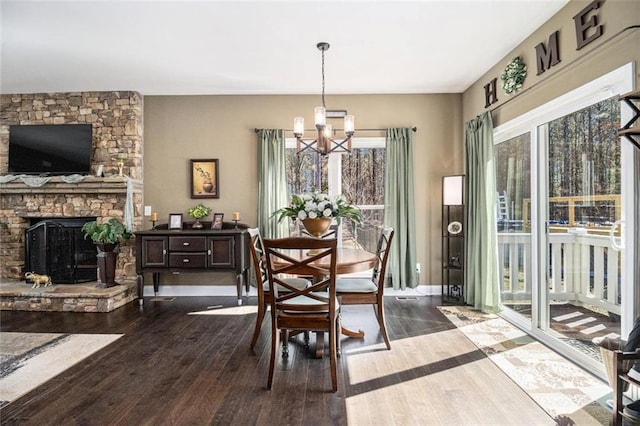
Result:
pixel 117 129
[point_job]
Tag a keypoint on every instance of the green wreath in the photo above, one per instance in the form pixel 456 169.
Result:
pixel 513 76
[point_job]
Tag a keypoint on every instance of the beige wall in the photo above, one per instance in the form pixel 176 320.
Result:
pixel 180 128
pixel 613 49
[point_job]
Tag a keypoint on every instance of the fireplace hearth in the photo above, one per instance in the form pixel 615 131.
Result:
pixel 57 247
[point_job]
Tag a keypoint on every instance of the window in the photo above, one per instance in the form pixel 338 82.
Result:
pixel 358 176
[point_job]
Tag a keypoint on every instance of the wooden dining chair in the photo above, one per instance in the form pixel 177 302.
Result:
pixel 262 281
pixel 365 291
pixel 314 308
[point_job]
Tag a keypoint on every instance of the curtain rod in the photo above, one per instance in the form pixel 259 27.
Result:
pixel 414 128
pixel 579 58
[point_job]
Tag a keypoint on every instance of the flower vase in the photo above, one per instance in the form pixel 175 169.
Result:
pixel 207 186
pixel 197 224
pixel 316 227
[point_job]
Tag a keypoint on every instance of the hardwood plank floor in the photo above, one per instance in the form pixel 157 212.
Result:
pixel 174 368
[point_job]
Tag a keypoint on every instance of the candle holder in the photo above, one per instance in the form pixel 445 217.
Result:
pixel 121 157
pixel 153 219
pixel 236 222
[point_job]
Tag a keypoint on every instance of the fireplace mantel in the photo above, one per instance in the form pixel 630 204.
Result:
pixel 89 185
pixel 99 197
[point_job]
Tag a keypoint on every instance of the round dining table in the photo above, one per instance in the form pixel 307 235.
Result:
pixel 348 260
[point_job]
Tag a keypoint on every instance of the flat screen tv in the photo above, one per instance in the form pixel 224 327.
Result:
pixel 60 149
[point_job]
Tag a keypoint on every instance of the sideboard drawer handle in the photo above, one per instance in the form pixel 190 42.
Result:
pixel 185 243
pixel 185 260
pixel 164 251
pixel 209 252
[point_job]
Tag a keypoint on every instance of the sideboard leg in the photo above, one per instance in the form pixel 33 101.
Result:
pixel 247 285
pixel 156 283
pixel 140 283
pixel 239 288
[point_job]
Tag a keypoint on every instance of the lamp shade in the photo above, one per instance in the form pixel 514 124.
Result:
pixel 452 190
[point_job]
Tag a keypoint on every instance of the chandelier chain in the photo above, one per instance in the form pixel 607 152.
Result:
pixel 324 106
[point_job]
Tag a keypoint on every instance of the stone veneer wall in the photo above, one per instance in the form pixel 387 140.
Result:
pixel 117 119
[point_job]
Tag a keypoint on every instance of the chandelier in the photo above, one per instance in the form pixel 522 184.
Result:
pixel 324 143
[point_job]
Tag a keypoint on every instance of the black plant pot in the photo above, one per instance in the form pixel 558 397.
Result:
pixel 107 261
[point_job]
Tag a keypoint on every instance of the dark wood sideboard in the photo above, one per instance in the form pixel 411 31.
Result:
pixel 162 250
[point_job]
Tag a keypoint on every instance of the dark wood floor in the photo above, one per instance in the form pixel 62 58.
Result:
pixel 175 368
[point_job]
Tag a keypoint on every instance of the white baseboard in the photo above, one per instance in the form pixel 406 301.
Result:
pixel 230 290
pixel 193 290
pixel 421 290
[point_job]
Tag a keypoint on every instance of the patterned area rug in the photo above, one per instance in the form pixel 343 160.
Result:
pixel 28 360
pixel 569 394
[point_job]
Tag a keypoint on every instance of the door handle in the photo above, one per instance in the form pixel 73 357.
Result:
pixel 612 238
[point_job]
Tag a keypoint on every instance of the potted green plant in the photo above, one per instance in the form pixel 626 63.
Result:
pixel 107 237
pixel 198 212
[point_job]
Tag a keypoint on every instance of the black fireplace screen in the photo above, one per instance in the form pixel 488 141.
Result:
pixel 57 247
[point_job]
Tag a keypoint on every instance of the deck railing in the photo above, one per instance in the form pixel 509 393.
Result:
pixel 582 267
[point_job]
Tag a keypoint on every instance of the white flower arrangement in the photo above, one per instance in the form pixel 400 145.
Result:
pixel 314 205
pixel 513 76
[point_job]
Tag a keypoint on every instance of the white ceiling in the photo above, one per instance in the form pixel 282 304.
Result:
pixel 259 47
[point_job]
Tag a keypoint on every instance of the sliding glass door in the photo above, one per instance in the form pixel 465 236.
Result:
pixel 513 198
pixel 583 210
pixel 565 199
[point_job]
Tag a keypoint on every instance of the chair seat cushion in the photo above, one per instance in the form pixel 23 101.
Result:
pixel 308 301
pixel 298 283
pixel 355 285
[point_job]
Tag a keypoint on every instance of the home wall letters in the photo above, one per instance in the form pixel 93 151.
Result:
pixel 587 27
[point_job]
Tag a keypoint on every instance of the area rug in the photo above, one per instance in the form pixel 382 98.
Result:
pixel 28 360
pixel 567 393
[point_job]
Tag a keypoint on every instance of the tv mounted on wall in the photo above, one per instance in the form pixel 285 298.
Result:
pixel 58 149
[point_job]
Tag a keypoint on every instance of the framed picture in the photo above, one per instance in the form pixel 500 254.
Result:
pixel 175 220
pixel 204 179
pixel 217 221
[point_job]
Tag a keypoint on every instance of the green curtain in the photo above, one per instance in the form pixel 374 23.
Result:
pixel 481 244
pixel 399 208
pixel 272 182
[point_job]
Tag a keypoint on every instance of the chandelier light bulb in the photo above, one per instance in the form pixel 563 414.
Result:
pixel 328 130
pixel 320 114
pixel 349 125
pixel 298 126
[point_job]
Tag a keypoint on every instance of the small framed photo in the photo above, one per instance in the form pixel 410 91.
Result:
pixel 217 221
pixel 204 179
pixel 175 220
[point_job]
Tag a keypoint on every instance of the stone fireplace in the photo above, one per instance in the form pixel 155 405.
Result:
pixel 116 119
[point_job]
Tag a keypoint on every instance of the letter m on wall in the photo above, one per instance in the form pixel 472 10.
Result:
pixel 548 56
